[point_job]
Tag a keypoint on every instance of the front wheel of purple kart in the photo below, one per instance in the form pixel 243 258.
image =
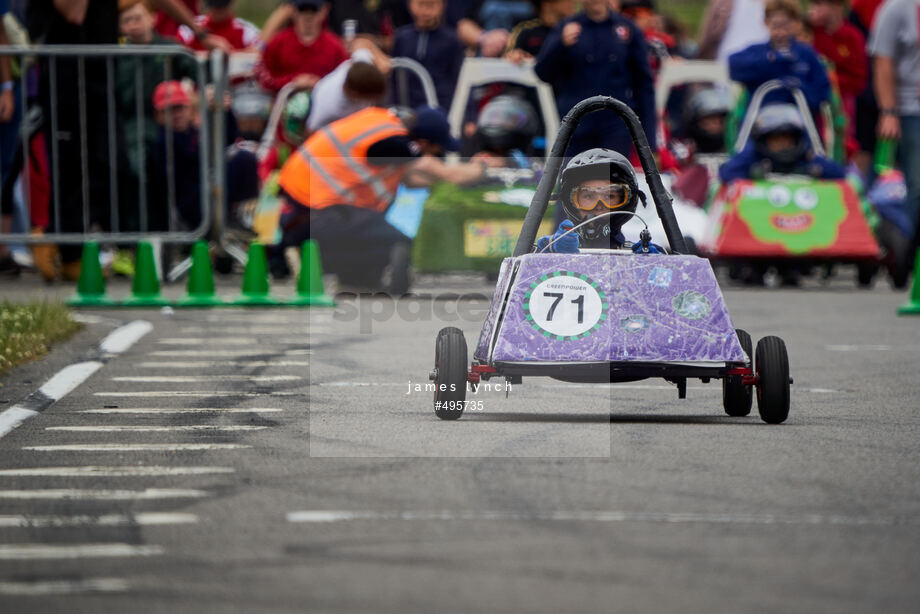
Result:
pixel 449 375
pixel 736 397
pixel 771 362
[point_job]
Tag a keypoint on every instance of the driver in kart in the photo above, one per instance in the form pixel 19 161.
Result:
pixel 599 193
pixel 780 146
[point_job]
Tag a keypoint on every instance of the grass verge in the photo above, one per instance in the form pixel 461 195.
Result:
pixel 27 331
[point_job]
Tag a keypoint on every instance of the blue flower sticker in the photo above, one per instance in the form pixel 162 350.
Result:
pixel 660 277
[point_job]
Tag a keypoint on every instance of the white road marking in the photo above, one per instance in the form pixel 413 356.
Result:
pixel 190 393
pixel 69 378
pixel 325 516
pixel 208 341
pixel 181 410
pixel 13 417
pixel 857 348
pixel 64 587
pixel 136 447
pixel 111 472
pixel 210 364
pixel 224 353
pixel 29 552
pixel 105 495
pixel 197 379
pixel 156 429
pixel 53 390
pixel 107 520
pixel 283 330
pixel 123 338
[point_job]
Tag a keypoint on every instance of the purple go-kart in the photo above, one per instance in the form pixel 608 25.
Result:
pixel 603 316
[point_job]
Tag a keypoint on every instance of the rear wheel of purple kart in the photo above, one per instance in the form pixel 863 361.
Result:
pixel 772 364
pixel 736 397
pixel 450 369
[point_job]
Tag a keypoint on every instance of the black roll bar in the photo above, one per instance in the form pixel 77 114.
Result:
pixel 550 173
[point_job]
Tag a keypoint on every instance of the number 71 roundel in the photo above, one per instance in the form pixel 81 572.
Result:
pixel 565 305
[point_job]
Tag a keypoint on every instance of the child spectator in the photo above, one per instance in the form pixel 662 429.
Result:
pixel 844 45
pixel 220 20
pixel 302 53
pixel 430 43
pixel 171 98
pixel 661 45
pixel 782 57
pixel 136 23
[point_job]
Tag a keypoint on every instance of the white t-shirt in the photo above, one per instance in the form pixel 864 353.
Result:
pixel 745 28
pixel 894 35
pixel 328 102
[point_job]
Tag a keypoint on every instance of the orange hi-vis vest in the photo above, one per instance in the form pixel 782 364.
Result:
pixel 331 167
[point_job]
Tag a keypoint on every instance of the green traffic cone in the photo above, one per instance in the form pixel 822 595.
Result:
pixel 200 287
pixel 310 281
pixel 912 306
pixel 91 283
pixel 145 289
pixel 255 279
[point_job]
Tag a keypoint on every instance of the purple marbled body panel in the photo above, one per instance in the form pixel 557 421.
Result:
pixel 504 274
pixel 642 308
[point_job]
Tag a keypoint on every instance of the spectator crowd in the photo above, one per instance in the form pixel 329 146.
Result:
pixel 861 55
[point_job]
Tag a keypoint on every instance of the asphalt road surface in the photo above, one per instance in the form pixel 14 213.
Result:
pixel 279 460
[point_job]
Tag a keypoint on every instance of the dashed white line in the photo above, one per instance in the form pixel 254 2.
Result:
pixel 857 348
pixel 157 429
pixel 13 417
pixel 110 472
pixel 53 390
pixel 64 587
pixel 123 338
pixel 224 353
pixel 181 410
pixel 106 520
pixel 281 330
pixel 136 447
pixel 105 495
pixel 192 393
pixel 197 379
pixel 210 364
pixel 325 516
pixel 28 552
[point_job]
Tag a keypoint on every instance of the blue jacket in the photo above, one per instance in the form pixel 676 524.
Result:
pixel 760 63
pixel 610 58
pixel 748 164
pixel 439 51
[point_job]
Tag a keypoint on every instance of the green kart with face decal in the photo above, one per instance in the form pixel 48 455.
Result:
pixel 789 219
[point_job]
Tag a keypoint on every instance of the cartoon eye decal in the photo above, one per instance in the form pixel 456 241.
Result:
pixel 806 198
pixel 779 196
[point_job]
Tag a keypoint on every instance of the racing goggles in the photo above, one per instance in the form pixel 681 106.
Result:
pixel 612 196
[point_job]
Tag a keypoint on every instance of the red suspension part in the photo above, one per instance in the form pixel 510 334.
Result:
pixel 477 371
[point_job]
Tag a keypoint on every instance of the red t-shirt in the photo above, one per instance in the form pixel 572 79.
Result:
pixel 165 26
pixel 285 57
pixel 846 49
pixel 240 33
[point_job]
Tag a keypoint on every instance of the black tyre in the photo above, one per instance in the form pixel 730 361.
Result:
pixel 865 273
pixel 450 373
pixel 772 364
pixel 898 253
pixel 736 397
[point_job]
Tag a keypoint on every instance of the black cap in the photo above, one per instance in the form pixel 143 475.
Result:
pixel 431 125
pixel 308 4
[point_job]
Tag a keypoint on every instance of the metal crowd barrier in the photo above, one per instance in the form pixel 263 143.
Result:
pixel 67 65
